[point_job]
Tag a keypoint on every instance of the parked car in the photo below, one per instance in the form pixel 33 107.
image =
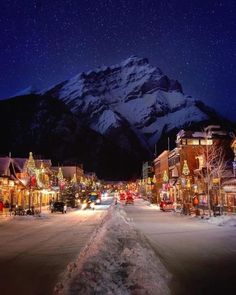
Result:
pixel 95 197
pixel 88 204
pixel 122 196
pixel 167 205
pixel 58 207
pixel 129 200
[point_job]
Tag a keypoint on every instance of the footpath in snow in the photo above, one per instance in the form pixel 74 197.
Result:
pixel 117 260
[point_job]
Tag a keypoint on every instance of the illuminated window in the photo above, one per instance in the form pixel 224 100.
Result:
pixel 206 142
pixel 193 141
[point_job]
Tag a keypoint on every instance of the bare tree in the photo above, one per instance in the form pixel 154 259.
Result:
pixel 212 165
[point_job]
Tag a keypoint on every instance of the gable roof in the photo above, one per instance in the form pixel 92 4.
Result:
pixel 8 166
pixel 4 166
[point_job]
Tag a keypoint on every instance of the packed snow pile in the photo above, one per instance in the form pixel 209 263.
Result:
pixel 118 260
pixel 223 220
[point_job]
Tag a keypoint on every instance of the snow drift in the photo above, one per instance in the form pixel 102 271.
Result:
pixel 117 260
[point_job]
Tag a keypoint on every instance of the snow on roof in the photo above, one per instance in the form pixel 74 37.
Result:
pixel 4 165
pixel 21 162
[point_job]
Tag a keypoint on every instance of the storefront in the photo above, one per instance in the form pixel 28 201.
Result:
pixel 7 190
pixel 229 196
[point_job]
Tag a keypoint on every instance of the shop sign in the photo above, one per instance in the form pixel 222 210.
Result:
pixel 229 188
pixel 216 180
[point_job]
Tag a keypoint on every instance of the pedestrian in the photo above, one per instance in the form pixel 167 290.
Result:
pixel 1 207
pixel 184 209
pixel 195 201
pixel 6 207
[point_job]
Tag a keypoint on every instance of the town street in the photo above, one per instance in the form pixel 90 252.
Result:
pixel 34 251
pixel 200 256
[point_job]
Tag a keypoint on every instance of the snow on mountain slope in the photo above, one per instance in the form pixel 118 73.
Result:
pixel 133 94
pixel 106 120
pixel 26 91
pixel 171 121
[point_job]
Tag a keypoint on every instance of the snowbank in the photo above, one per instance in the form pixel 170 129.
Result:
pixel 117 260
pixel 223 220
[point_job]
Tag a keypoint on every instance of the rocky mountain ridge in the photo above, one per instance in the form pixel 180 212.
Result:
pixel 109 119
pixel 132 93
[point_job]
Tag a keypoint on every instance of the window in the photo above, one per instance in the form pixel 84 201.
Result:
pixel 193 141
pixel 206 142
pixel 174 160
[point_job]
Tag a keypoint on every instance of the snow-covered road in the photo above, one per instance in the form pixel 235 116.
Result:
pixel 34 251
pixel 200 255
pixel 66 254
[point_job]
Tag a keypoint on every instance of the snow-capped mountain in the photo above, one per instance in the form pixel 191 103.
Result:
pixel 131 96
pixel 44 126
pixel 27 91
pixel 108 119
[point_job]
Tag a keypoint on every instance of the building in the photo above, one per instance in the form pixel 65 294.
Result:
pixel 25 182
pixel 161 170
pixel 197 168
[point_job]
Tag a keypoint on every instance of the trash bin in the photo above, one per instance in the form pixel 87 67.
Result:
pixel 217 210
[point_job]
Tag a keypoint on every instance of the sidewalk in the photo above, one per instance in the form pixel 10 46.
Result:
pixel 7 216
pixel 4 217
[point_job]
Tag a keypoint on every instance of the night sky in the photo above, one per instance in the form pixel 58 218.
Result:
pixel 45 42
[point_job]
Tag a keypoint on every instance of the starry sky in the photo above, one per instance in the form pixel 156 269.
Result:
pixel 44 42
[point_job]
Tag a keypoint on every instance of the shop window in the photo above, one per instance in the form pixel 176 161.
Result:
pixel 232 200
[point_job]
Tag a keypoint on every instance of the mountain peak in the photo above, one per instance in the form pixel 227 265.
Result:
pixel 132 105
pixel 134 60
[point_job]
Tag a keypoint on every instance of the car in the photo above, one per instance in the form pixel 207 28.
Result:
pixel 58 207
pixel 122 196
pixel 88 204
pixel 167 205
pixel 95 198
pixel 129 200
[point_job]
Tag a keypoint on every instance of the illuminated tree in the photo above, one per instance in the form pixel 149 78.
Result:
pixel 212 164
